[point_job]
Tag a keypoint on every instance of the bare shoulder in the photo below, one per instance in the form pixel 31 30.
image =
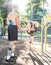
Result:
pixel 13 14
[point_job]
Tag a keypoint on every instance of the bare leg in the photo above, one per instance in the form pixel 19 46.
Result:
pixel 31 39
pixel 13 47
pixel 11 50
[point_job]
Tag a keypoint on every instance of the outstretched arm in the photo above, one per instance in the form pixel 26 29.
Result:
pixel 18 23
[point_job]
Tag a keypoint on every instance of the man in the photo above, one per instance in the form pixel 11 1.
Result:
pixel 14 25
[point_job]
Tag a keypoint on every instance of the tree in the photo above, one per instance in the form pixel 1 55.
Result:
pixel 36 13
pixel 3 9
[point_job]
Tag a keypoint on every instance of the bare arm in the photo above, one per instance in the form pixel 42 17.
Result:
pixel 18 23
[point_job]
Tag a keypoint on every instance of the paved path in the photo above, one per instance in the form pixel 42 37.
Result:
pixel 33 58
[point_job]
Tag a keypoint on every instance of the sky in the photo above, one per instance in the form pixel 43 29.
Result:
pixel 21 4
pixel 48 7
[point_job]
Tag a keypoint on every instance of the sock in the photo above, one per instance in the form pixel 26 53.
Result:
pixel 10 45
pixel 8 54
pixel 9 51
pixel 8 57
pixel 12 54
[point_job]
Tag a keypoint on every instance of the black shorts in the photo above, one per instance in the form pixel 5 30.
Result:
pixel 12 33
pixel 31 33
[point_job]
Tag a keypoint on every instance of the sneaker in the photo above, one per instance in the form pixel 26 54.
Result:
pixel 12 59
pixel 12 55
pixel 7 60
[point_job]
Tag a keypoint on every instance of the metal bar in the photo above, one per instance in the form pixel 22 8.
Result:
pixel 42 30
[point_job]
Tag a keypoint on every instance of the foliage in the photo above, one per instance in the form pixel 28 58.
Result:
pixel 3 8
pixel 36 13
pixel 2 2
pixel 3 14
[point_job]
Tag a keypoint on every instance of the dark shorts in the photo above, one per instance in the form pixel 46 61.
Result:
pixel 12 33
pixel 31 33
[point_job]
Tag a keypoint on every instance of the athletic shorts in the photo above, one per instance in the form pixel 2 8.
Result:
pixel 31 33
pixel 12 33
